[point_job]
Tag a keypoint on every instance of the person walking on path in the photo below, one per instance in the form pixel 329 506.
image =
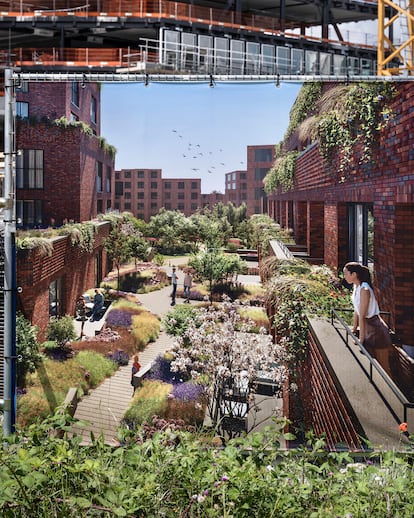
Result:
pixel 374 333
pixel 81 314
pixel 136 367
pixel 174 281
pixel 188 282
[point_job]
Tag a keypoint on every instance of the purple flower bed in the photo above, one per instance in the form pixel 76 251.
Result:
pixel 119 356
pixel 161 371
pixel 187 391
pixel 119 318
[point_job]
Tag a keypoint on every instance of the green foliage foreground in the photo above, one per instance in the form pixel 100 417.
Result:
pixel 181 475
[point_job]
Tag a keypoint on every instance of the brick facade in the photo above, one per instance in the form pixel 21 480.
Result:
pixel 387 185
pixel 74 269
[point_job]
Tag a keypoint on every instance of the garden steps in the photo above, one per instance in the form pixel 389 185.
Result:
pixel 104 407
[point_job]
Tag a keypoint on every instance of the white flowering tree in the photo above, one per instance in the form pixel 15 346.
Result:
pixel 219 349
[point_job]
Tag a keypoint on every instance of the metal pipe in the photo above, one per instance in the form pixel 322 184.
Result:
pixel 9 407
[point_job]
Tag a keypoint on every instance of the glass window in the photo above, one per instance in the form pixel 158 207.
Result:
pixel 243 176
pixel 154 195
pixel 154 185
pixel 22 110
pixel 140 174
pixel 141 195
pixel 73 117
pixel 236 57
pixel 324 63
pixel 268 59
pixel 140 206
pixel 167 196
pixel 205 44
pixel 117 176
pixel 311 62
pixel 127 185
pixel 188 51
pixel 252 57
pixel 180 195
pixel 140 216
pixel 221 55
pixel 55 298
pixel 297 61
pixel 360 233
pixel 260 173
pixel 29 169
pixel 243 186
pixel 167 185
pixel 263 155
pixel 23 87
pixel 180 206
pixel 75 93
pixel 119 188
pixel 99 206
pixel 194 195
pixel 99 176
pixel 127 195
pixel 29 213
pixel 154 174
pixel 108 178
pixel 194 185
pixel 171 48
pixel 194 206
pixel 140 185
pixel 283 60
pixel 127 174
pixel 127 205
pixel 168 206
pixel 154 205
pixel 180 185
pixel 339 64
pixel 93 110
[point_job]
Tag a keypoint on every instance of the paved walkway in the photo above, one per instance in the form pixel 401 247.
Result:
pixel 105 406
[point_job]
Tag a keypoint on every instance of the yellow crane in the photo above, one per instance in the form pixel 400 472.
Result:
pixel 388 52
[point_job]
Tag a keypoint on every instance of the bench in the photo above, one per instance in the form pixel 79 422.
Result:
pixel 139 376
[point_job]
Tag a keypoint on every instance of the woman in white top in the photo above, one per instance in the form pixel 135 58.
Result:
pixel 373 331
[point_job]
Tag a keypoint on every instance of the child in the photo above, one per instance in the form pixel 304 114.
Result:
pixel 136 367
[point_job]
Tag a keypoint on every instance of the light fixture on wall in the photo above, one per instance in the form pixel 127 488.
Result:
pixel 146 81
pixel 278 81
pixel 83 84
pixel 212 84
pixel 18 82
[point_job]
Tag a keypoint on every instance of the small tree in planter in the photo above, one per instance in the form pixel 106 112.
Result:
pixel 28 356
pixel 61 330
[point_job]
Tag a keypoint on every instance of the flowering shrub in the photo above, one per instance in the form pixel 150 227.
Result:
pixel 161 370
pixel 119 318
pixel 119 357
pixel 188 391
pixel 177 320
pixel 218 348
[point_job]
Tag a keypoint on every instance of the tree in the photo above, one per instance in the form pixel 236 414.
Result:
pixel 214 266
pixel 28 356
pixel 61 330
pixel 217 347
pixel 118 248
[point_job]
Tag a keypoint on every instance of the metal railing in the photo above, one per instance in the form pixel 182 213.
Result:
pixel 373 363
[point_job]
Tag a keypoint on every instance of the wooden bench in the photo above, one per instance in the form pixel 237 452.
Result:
pixel 139 376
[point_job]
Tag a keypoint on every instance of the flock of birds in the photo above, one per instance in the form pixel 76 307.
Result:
pixel 193 152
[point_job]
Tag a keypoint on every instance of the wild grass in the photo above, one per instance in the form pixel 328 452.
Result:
pixel 145 329
pixel 257 315
pixel 49 384
pixel 150 399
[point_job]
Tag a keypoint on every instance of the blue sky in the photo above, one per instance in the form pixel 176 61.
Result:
pixel 192 130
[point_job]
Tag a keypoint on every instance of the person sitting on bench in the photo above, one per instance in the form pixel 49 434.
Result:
pixel 98 303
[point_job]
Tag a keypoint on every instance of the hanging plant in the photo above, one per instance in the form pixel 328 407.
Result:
pixel 81 235
pixel 304 105
pixel 43 245
pixel 281 175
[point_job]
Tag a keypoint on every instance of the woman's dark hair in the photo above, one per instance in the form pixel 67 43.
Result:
pixel 363 273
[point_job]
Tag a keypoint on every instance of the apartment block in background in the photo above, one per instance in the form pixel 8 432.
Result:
pixel 143 192
pixel 247 186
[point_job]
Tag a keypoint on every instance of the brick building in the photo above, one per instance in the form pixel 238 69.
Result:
pixel 247 186
pixel 143 192
pixel 367 216
pixel 212 198
pixel 64 171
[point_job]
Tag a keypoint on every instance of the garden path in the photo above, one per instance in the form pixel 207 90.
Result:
pixel 103 408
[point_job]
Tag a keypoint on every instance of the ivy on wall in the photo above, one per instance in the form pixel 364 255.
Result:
pixel 351 128
pixel 304 105
pixel 281 175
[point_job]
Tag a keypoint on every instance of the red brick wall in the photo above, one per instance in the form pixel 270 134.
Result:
pixel 76 269
pixel 386 182
pixel 69 171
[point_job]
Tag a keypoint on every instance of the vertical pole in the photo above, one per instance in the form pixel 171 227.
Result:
pixel 380 51
pixel 9 261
